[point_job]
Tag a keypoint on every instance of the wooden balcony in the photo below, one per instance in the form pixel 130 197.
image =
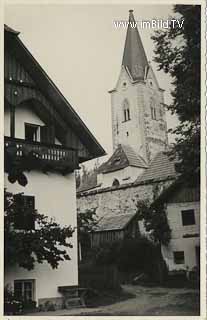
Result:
pixel 45 157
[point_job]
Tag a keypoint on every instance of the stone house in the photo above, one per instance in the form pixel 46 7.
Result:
pixel 40 120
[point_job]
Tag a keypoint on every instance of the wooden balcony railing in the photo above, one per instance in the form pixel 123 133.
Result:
pixel 56 157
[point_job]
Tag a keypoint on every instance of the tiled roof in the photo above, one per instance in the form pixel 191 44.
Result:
pixel 161 167
pixel 116 222
pixel 122 157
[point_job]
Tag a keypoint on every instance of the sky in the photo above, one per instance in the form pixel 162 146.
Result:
pixel 81 51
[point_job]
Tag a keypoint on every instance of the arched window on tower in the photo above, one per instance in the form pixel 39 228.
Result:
pixel 153 109
pixel 126 110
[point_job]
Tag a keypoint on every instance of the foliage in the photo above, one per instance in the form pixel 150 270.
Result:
pixel 177 52
pixel 98 277
pixel 130 255
pixel 15 166
pixel 107 253
pixel 77 179
pixel 12 305
pixel 47 242
pixel 155 221
pixel 86 223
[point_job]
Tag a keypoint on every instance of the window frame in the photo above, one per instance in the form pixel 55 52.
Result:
pixel 178 260
pixel 35 126
pixel 192 218
pixel 24 289
pixel 126 110
pixel 153 109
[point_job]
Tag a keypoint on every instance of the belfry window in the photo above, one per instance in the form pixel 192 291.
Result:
pixel 153 109
pixel 126 110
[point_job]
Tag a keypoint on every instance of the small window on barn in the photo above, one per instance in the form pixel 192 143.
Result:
pixel 115 183
pixel 179 257
pixel 188 217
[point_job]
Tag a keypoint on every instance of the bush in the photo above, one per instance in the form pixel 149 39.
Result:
pixel 136 255
pixel 99 277
pixel 14 305
pixel 108 253
pixel 133 256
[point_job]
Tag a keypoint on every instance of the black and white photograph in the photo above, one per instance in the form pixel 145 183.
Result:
pixel 104 115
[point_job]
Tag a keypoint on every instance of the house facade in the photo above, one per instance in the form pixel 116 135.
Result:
pixel 40 122
pixel 183 213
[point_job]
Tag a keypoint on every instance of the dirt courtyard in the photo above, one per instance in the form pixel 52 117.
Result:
pixel 147 301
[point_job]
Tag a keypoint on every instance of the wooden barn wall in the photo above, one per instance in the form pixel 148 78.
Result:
pixel 185 195
pixel 98 238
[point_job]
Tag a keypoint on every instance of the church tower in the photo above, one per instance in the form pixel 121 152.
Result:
pixel 137 102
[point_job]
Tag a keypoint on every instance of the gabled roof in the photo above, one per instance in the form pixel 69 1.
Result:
pixel 122 157
pixel 8 29
pixel 161 167
pixel 116 222
pixel 52 93
pixel 134 58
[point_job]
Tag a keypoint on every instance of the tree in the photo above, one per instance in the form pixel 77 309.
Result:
pixel 47 242
pixel 177 52
pixel 87 221
pixel 156 224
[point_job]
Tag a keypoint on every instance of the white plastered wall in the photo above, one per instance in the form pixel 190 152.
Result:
pixel 54 196
pixel 126 175
pixel 178 242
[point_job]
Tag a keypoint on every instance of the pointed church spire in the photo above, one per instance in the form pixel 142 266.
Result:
pixel 134 57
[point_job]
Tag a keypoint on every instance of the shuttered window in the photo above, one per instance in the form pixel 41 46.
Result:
pixel 24 210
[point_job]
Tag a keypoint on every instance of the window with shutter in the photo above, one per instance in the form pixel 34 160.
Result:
pixel 24 209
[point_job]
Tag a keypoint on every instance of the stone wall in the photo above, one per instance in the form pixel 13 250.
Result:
pixel 120 200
